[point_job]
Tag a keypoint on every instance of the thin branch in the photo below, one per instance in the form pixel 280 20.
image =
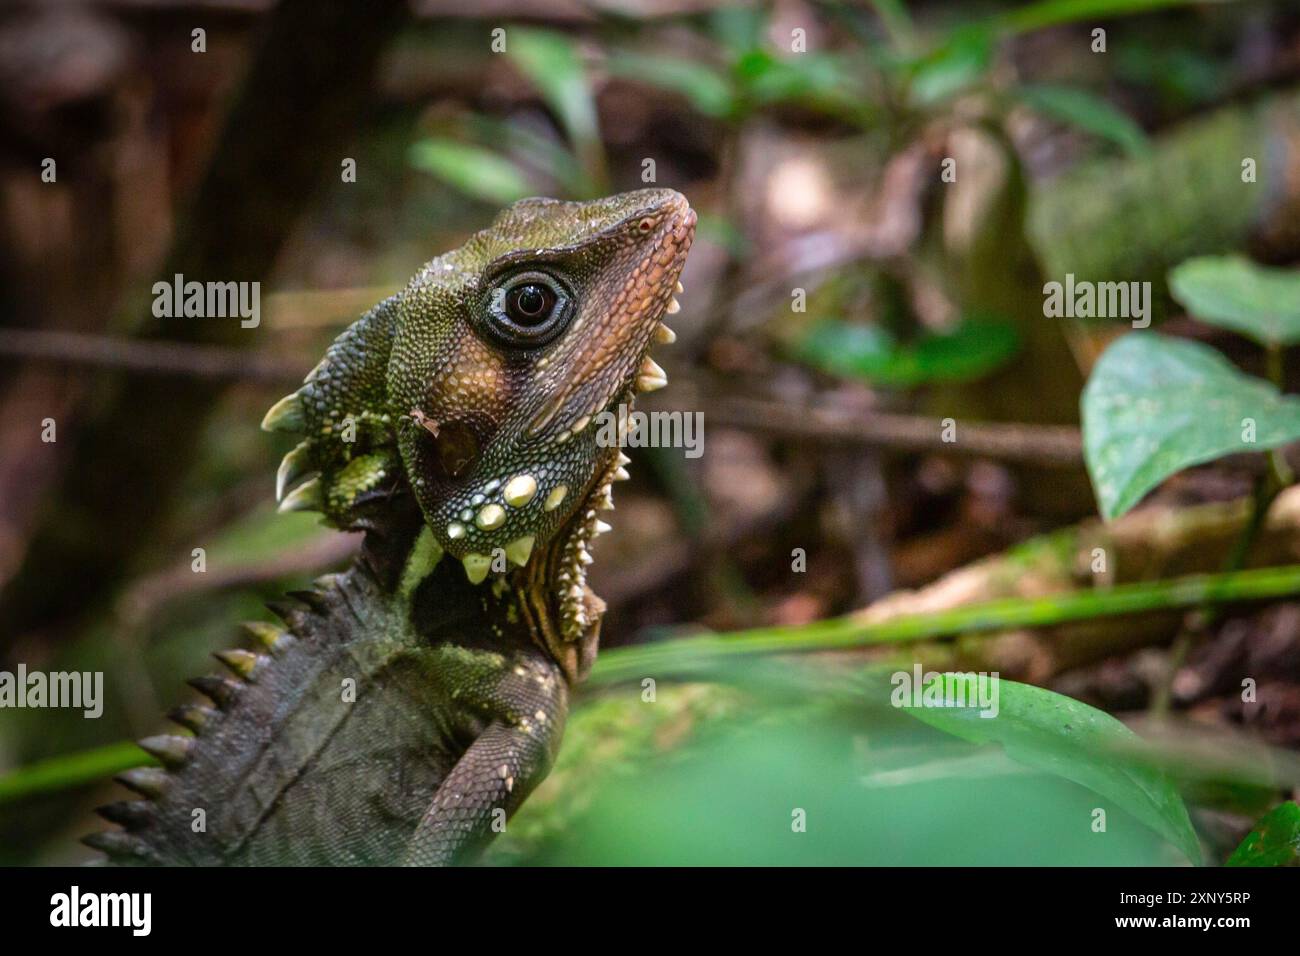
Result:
pixel 150 357
pixel 1013 441
pixel 1048 444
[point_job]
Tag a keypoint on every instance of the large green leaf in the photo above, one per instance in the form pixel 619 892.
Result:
pixel 1156 405
pixel 1237 294
pixel 1275 840
pixel 1088 112
pixel 471 169
pixel 779 741
pixel 1055 733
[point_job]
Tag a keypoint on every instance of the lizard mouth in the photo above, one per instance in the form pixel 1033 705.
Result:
pixel 584 418
pixel 578 608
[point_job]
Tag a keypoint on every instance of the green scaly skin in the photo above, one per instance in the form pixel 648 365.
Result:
pixel 408 706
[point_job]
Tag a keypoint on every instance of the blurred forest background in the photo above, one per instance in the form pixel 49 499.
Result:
pixel 883 190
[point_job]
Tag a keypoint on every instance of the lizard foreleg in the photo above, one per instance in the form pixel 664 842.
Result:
pixel 526 708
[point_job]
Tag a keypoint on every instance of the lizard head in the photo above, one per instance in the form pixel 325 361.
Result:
pixel 482 386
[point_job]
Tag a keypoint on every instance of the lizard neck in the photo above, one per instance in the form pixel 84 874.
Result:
pixel 546 603
pixel 563 613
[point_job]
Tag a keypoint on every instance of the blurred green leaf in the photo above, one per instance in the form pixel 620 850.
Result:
pixel 72 770
pixel 471 169
pixel 528 148
pixel 738 29
pixel 816 81
pixel 552 63
pixel 1182 78
pixel 851 350
pixel 1234 293
pixel 1060 735
pixel 723 232
pixel 897 23
pixel 1048 13
pixel 264 534
pixel 1088 112
pixel 952 68
pixel 789 783
pixel 970 351
pixel 708 91
pixel 1156 405
pixel 1030 17
pixel 1275 840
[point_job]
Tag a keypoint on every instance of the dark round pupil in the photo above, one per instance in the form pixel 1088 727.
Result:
pixel 529 302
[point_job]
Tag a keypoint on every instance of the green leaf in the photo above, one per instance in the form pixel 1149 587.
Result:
pixel 1048 13
pixel 552 63
pixel 263 534
pixel 1088 112
pixel 708 91
pixel 897 23
pixel 850 350
pixel 471 169
pixel 531 149
pixel 969 352
pixel 1040 15
pixel 738 29
pixel 1052 732
pixel 72 770
pixel 1180 79
pixel 722 232
pixel 1156 405
pixel 952 68
pixel 1234 293
pixel 1275 840
pixel 877 785
pixel 853 350
pixel 815 81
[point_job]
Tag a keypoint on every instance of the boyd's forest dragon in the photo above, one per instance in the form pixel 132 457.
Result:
pixel 453 424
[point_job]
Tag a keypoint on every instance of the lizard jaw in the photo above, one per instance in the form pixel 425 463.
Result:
pixel 564 578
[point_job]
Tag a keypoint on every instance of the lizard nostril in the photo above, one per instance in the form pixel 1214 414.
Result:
pixel 645 225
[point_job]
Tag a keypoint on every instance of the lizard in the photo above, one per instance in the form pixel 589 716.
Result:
pixel 403 709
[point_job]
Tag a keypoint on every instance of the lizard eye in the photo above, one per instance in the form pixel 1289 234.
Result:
pixel 528 309
pixel 529 303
